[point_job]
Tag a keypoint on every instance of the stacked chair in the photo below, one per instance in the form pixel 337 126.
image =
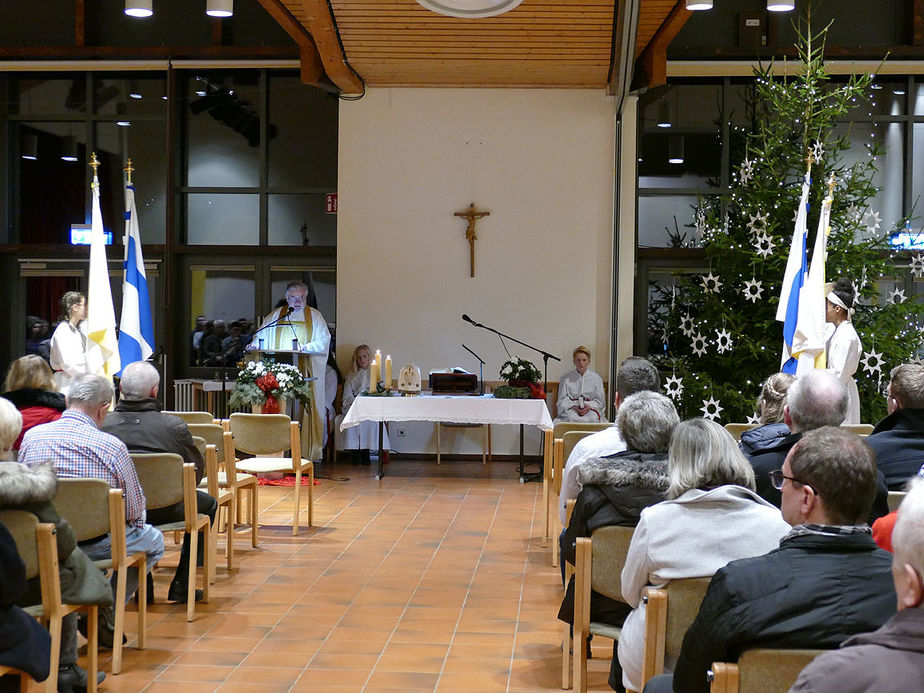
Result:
pixel 760 671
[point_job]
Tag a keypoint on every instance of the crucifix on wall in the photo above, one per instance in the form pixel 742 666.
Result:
pixel 472 215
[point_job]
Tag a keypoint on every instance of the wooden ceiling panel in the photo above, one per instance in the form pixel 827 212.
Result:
pixel 540 43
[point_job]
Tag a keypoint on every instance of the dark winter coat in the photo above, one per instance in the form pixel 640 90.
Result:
pixel 615 491
pixel 898 441
pixel 770 458
pixel 762 437
pixel 37 407
pixel 24 643
pixel 812 592
pixel 889 660
pixel 143 427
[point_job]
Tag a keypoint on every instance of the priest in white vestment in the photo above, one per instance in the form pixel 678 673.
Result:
pixel 299 327
pixel 580 392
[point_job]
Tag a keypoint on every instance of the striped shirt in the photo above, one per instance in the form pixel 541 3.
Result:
pixel 79 450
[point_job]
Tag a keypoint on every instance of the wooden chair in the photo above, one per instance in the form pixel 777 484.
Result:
pixel 861 430
pixel 736 429
pixel 93 509
pixel 36 545
pixel 24 678
pixel 197 417
pixel 219 435
pixel 485 439
pixel 895 500
pixel 669 613
pixel 598 564
pixel 548 464
pixel 225 499
pixel 166 481
pixel 760 671
pixel 561 451
pixel 266 434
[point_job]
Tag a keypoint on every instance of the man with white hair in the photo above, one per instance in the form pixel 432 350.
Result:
pixel 891 659
pixel 79 449
pixel 139 423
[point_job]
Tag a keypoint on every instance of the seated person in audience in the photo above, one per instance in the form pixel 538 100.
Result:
pixel 891 659
pixel 79 449
pixel 30 385
pixel 32 490
pixel 360 439
pixel 233 345
pixel 139 423
pixel 898 440
pixel 816 399
pixel 770 405
pixel 195 339
pixel 210 349
pixel 37 340
pixel 635 375
pixel 713 516
pixel 616 488
pixel 580 392
pixel 24 643
pixel 827 580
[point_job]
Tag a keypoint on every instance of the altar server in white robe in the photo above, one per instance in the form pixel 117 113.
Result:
pixel 69 342
pixel 844 347
pixel 297 326
pixel 365 436
pixel 580 392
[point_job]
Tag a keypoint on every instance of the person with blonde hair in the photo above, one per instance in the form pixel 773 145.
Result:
pixel 30 385
pixel 580 392
pixel 359 440
pixel 770 407
pixel 712 516
pixel 69 341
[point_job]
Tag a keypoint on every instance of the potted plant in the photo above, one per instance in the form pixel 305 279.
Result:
pixel 522 378
pixel 265 385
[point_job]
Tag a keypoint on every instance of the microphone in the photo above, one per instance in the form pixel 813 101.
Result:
pixel 288 311
pixel 467 319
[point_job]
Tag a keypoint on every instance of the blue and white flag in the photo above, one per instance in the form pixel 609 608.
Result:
pixel 136 330
pixel 811 335
pixel 787 311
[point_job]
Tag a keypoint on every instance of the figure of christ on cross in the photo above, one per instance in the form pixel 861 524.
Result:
pixel 472 216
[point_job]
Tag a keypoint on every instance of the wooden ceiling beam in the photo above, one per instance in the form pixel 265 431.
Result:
pixel 317 19
pixel 651 66
pixel 312 68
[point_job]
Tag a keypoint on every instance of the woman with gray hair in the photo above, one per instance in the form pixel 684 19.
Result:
pixel 770 406
pixel 712 516
pixel 616 488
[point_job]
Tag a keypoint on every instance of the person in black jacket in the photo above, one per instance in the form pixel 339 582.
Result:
pixel 617 488
pixel 816 399
pixel 139 423
pixel 898 440
pixel 770 406
pixel 826 582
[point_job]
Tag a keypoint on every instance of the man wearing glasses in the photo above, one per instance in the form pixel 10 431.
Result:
pixel 826 582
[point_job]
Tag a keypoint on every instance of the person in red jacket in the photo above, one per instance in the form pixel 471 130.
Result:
pixel 30 386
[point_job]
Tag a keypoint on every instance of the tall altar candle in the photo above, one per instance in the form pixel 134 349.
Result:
pixel 378 359
pixel 373 376
pixel 388 372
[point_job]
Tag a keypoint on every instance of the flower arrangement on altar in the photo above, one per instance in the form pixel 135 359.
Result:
pixel 522 379
pixel 265 383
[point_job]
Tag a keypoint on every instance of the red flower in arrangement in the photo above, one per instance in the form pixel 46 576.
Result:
pixel 536 391
pixel 267 382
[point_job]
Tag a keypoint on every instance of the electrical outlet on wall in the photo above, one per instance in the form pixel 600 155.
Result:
pixel 401 433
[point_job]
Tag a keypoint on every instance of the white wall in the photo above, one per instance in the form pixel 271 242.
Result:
pixel 541 161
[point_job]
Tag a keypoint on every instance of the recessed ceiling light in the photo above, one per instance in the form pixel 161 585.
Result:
pixel 470 9
pixel 139 8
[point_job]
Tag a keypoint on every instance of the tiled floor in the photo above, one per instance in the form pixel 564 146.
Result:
pixel 432 579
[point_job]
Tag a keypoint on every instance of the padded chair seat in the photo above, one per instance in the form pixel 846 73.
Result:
pixel 268 464
pixel 605 629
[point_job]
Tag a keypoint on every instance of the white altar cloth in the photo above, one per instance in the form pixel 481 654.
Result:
pixel 449 409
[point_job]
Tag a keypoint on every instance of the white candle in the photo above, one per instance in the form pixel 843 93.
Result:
pixel 388 372
pixel 373 376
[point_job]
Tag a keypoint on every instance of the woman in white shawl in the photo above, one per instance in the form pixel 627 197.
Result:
pixel 360 439
pixel 844 347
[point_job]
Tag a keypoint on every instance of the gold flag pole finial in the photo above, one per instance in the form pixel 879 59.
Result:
pixel 831 185
pixel 128 171
pixel 94 164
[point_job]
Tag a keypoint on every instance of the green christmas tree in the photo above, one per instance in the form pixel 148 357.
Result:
pixel 719 335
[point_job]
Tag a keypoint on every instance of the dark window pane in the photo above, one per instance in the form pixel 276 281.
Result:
pixel 291 216
pixel 223 219
pixel 46 95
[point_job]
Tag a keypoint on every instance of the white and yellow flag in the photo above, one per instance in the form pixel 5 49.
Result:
pixel 102 343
